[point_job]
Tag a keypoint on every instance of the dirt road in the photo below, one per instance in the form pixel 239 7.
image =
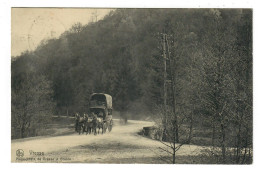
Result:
pixel 122 145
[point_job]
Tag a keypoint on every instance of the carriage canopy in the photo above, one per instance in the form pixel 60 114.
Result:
pixel 100 100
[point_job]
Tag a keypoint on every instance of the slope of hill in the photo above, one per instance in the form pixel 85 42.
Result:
pixel 122 55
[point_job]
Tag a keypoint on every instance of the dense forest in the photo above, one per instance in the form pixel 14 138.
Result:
pixel 122 55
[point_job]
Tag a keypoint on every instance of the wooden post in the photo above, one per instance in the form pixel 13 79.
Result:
pixel 165 72
pixel 173 84
pixel 164 136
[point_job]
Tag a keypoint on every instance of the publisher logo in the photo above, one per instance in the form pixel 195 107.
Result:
pixel 19 153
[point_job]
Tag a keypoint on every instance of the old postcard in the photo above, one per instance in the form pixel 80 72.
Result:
pixel 124 86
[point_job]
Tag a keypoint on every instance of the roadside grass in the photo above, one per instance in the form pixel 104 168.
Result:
pixel 58 126
pixel 202 136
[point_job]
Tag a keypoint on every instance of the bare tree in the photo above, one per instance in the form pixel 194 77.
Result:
pixel 222 81
pixel 166 124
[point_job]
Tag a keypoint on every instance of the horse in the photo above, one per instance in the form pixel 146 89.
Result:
pixel 77 117
pixel 81 123
pixel 95 124
pixel 89 126
pixel 100 125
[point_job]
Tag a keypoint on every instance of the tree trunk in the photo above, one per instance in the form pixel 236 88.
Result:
pixel 176 129
pixel 238 148
pixel 173 157
pixel 213 134
pixel 174 149
pixel 22 132
pixel 191 126
pixel 246 145
pixel 223 146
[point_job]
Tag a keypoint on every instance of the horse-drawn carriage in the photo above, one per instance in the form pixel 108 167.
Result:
pixel 99 116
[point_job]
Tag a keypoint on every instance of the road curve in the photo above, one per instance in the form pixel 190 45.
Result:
pixel 122 145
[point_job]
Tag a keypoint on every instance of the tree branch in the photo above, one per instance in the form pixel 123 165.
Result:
pixel 166 144
pixel 166 150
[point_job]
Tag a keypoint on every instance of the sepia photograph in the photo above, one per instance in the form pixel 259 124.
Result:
pixel 132 85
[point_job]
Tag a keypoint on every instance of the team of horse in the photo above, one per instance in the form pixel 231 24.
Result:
pixel 89 124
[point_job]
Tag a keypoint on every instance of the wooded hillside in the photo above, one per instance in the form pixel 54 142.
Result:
pixel 122 55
